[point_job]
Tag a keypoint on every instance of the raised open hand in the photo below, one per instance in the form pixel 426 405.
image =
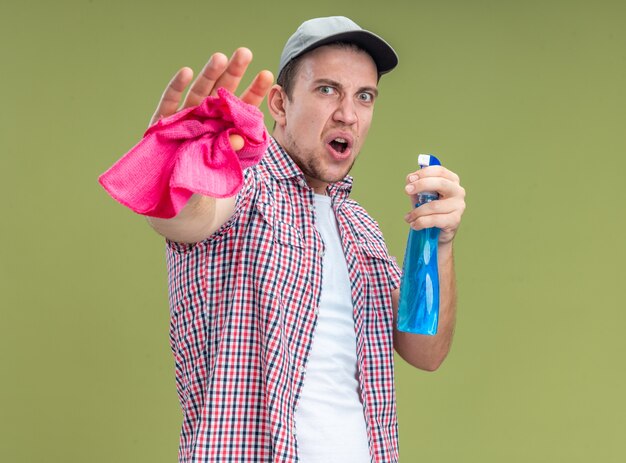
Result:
pixel 218 72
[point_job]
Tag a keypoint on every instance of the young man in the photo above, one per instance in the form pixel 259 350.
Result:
pixel 283 298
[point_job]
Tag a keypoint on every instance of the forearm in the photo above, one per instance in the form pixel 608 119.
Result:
pixel 199 219
pixel 428 352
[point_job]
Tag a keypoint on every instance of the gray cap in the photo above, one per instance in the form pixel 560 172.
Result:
pixel 321 31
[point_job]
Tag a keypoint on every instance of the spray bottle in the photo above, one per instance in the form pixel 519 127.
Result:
pixel 418 311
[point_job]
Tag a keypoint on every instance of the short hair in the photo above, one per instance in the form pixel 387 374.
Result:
pixel 287 77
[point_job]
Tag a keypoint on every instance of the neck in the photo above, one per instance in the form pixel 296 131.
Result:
pixel 317 186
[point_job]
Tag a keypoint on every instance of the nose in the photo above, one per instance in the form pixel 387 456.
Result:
pixel 345 111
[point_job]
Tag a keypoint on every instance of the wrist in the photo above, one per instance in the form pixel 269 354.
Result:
pixel 445 251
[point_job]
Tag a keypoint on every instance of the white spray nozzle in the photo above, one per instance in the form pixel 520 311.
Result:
pixel 425 160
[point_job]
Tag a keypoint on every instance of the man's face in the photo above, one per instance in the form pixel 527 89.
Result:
pixel 327 119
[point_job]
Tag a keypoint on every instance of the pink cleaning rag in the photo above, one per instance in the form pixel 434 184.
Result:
pixel 188 152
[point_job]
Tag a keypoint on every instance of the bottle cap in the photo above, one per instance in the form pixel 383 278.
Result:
pixel 425 160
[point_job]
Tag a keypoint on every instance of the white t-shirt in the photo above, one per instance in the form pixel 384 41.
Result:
pixel 330 424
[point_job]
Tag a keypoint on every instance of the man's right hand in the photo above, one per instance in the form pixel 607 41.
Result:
pixel 218 72
pixel 202 216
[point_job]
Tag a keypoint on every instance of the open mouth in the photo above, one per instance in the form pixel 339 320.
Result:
pixel 339 144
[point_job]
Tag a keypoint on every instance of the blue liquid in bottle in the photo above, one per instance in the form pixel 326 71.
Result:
pixel 418 311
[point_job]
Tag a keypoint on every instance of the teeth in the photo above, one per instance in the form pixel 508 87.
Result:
pixel 340 140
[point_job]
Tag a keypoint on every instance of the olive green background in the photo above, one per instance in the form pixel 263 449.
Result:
pixel 524 100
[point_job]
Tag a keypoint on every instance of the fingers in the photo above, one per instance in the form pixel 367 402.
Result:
pixel 448 224
pixel 259 87
pixel 440 207
pixel 235 70
pixel 444 213
pixel 236 141
pixel 218 72
pixel 204 84
pixel 172 95
pixel 221 72
pixel 444 186
pixel 444 222
pixel 433 171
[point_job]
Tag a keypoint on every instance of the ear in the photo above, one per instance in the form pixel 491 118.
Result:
pixel 276 100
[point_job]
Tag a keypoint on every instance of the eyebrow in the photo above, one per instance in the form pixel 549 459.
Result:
pixel 334 83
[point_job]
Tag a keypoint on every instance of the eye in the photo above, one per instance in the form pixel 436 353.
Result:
pixel 326 90
pixel 365 97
